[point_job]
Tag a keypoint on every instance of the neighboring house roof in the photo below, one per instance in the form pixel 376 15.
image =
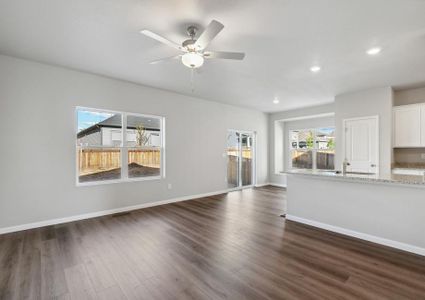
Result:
pixel 151 124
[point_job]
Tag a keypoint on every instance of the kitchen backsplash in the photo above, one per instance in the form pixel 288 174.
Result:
pixel 409 157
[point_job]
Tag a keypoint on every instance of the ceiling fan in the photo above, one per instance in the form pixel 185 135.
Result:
pixel 194 48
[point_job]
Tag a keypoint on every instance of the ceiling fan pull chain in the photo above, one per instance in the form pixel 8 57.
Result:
pixel 192 81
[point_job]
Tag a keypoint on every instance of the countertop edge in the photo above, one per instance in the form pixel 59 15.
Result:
pixel 360 179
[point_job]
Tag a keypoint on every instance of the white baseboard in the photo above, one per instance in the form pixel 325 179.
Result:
pixel 278 184
pixel 272 184
pixel 105 212
pixel 359 235
pixel 262 184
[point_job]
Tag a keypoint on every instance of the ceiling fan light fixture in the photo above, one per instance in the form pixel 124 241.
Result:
pixel 374 51
pixel 192 60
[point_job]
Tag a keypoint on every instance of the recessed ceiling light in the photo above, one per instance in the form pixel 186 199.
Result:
pixel 374 51
pixel 276 101
pixel 315 69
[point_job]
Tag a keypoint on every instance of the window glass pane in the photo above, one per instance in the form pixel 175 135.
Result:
pixel 247 153
pixel 325 138
pixel 302 159
pixel 293 139
pixel 97 128
pixel 233 139
pixel 143 131
pixel 325 159
pixel 98 164
pixel 302 139
pixel 144 162
pixel 325 143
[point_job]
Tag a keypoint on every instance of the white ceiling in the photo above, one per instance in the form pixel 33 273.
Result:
pixel 282 40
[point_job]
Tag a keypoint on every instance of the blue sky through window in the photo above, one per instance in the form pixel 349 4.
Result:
pixel 88 118
pixel 327 130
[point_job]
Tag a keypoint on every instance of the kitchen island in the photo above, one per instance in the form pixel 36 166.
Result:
pixel 388 210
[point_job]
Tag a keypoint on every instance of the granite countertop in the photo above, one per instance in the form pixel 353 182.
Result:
pixel 374 178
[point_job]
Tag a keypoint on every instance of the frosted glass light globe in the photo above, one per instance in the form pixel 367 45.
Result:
pixel 192 60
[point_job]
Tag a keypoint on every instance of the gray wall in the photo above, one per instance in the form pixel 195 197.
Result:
pixel 409 96
pixel 367 103
pixel 277 144
pixel 38 143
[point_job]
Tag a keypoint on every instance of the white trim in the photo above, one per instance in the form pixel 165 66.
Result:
pixel 271 183
pixel 107 212
pixel 359 235
pixel 113 181
pixel 117 112
pixel 398 107
pixel 330 114
pixel 261 184
pixel 278 185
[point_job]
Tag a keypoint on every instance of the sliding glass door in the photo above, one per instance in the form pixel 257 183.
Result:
pixel 240 159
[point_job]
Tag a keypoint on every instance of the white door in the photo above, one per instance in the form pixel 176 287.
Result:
pixel 361 144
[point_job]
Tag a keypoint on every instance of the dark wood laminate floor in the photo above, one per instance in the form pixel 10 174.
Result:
pixel 232 246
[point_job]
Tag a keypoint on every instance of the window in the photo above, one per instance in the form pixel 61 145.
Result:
pixel 312 148
pixel 103 146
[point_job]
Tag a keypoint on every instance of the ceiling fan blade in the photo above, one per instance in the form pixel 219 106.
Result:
pixel 164 59
pixel 224 55
pixel 161 39
pixel 208 35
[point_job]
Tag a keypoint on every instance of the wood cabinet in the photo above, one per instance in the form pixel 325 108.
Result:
pixel 409 126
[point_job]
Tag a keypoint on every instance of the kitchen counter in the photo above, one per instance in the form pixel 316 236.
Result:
pixel 387 179
pixel 389 210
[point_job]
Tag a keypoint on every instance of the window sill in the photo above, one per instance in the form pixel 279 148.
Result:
pixel 113 181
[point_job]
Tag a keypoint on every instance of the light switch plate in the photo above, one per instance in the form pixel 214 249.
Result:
pixel 423 155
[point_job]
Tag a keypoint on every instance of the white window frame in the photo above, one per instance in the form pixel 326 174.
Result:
pixel 313 150
pixel 123 148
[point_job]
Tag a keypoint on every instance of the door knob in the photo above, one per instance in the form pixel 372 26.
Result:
pixel 373 165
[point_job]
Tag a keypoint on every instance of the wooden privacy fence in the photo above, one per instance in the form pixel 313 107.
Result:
pixel 97 160
pixel 304 160
pixel 325 160
pixel 147 158
pixel 232 170
pixel 246 152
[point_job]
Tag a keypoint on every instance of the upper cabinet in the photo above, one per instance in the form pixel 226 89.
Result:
pixel 409 125
pixel 423 125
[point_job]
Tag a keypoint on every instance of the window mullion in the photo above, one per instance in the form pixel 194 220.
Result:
pixel 124 152
pixel 162 153
pixel 314 150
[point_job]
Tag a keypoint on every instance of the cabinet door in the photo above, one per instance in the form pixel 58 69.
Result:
pixel 423 125
pixel 407 126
